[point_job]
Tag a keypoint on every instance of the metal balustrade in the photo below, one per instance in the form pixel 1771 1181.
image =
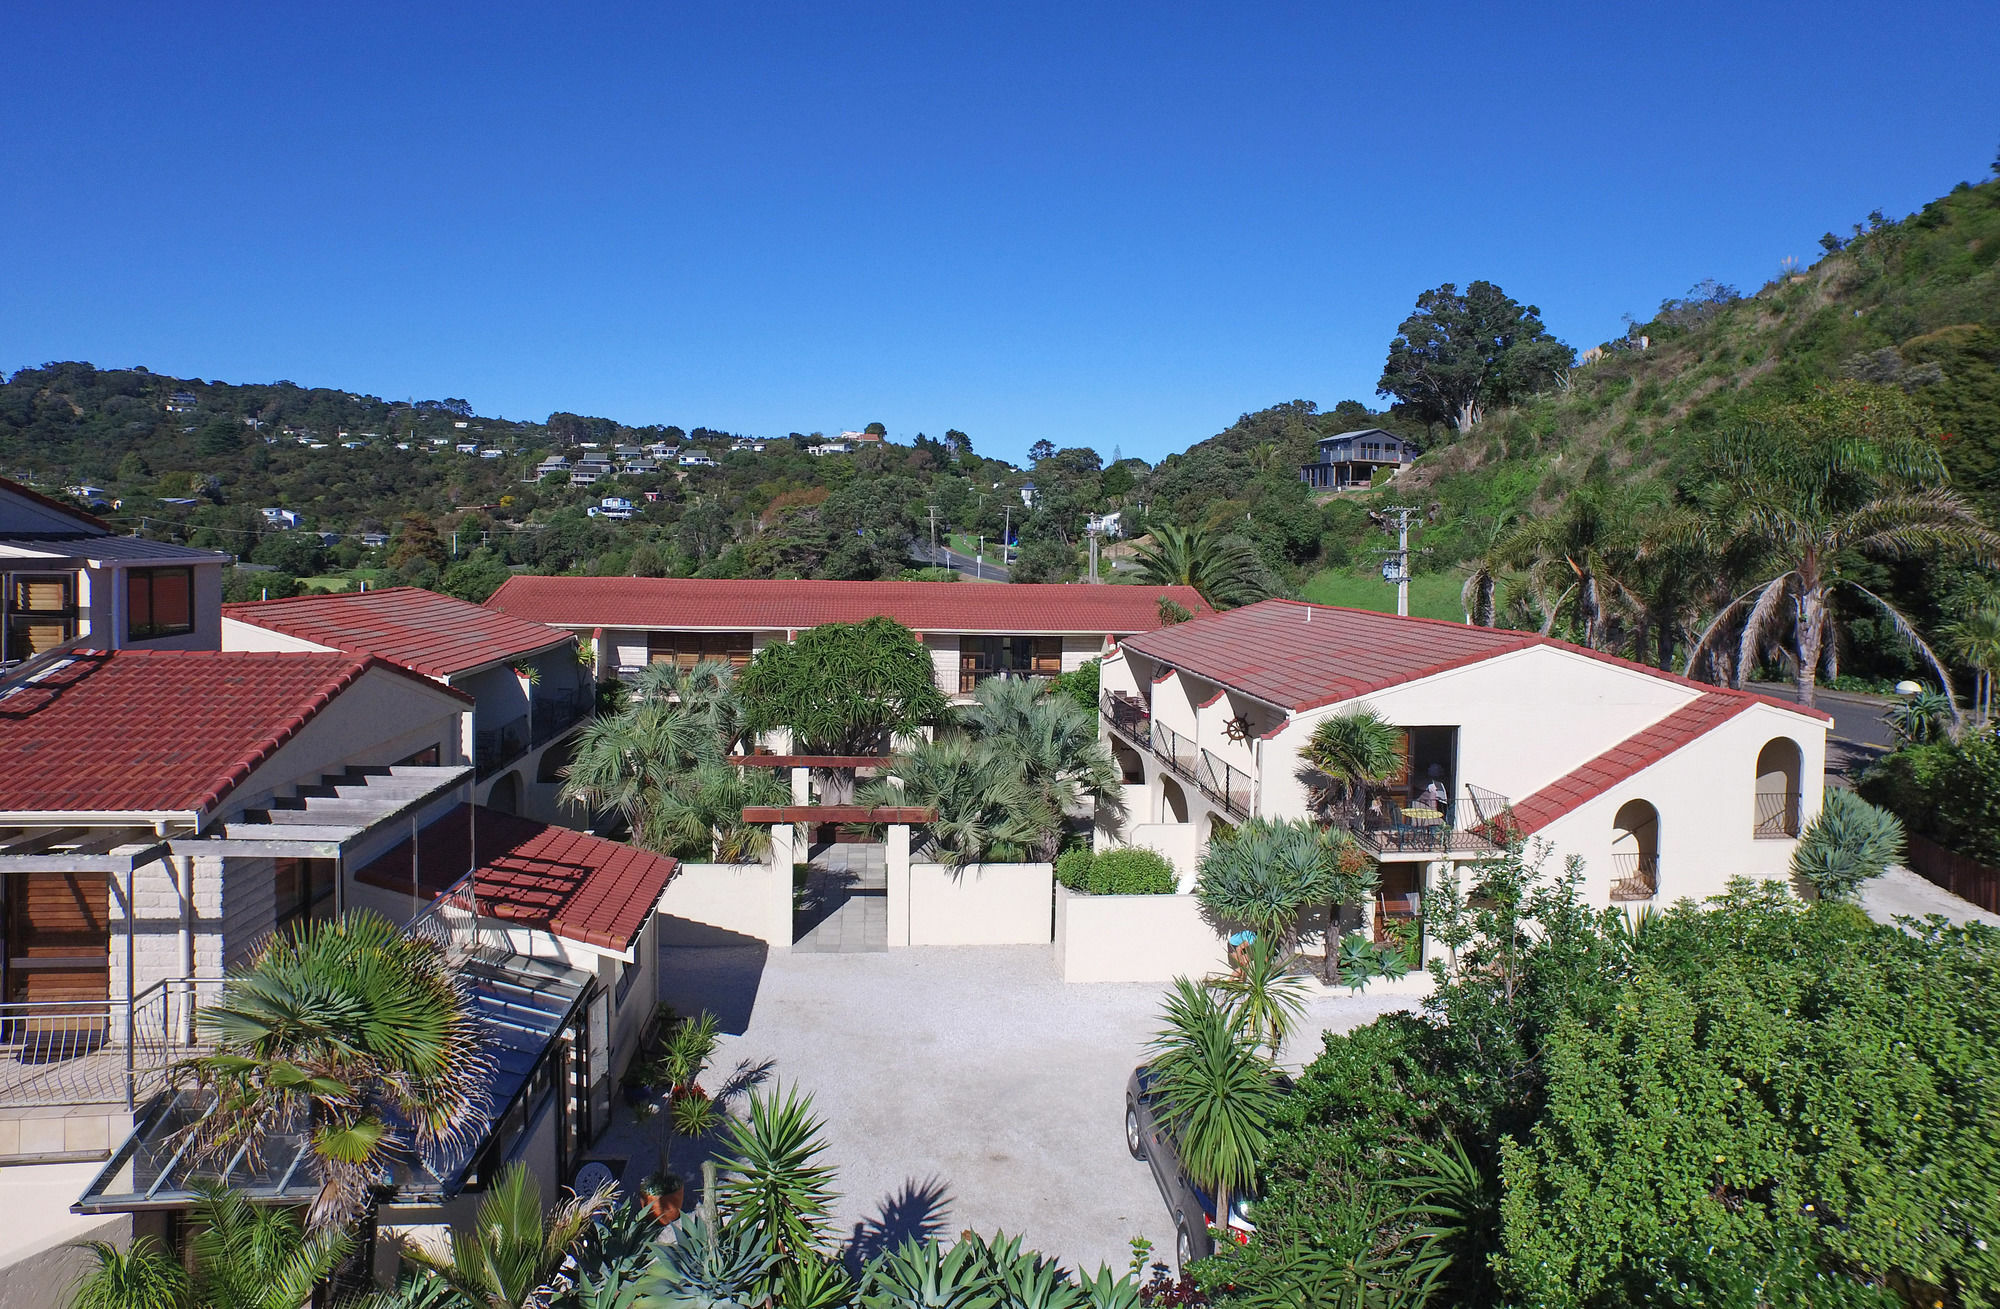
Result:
pixel 1228 786
pixel 1777 815
pixel 1475 824
pixel 78 1052
pixel 1128 716
pixel 1635 876
pixel 451 923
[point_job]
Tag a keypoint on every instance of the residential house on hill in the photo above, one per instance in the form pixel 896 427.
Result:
pixel 1664 787
pixel 66 576
pixel 972 631
pixel 1350 459
pixel 529 692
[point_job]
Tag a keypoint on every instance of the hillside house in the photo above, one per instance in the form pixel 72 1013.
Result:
pixel 1351 459
pixel 1664 787
pixel 282 519
pixel 66 576
pixel 972 632
pixel 182 402
pixel 530 694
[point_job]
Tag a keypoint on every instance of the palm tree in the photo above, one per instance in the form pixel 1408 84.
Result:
pixel 1575 561
pixel 1052 744
pixel 1356 749
pixel 345 1028
pixel 1267 1000
pixel 1483 573
pixel 983 806
pixel 1975 641
pixel 1265 874
pixel 143 1277
pixel 1814 488
pixel 250 1256
pixel 513 1250
pixel 1223 569
pixel 1214 1091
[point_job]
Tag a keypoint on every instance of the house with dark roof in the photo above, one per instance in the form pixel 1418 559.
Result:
pixel 1665 788
pixel 972 631
pixel 530 694
pixel 68 578
pixel 1351 459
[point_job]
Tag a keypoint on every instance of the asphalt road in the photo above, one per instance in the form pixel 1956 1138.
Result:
pixel 946 557
pixel 1857 719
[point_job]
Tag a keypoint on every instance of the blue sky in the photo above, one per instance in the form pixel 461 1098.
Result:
pixel 1118 227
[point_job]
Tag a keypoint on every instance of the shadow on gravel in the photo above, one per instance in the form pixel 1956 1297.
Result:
pixel 914 1213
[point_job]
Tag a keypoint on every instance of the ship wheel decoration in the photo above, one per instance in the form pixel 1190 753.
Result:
pixel 1237 729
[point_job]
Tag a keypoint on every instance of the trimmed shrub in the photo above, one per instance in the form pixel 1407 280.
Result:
pixel 1073 869
pixel 1132 872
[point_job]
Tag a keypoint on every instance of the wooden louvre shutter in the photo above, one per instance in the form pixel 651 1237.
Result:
pixel 59 936
pixel 1047 656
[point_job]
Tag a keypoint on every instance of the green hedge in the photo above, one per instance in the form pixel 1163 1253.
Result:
pixel 1948 791
pixel 1117 872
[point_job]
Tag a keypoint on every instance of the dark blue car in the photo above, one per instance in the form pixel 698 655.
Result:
pixel 1193 1209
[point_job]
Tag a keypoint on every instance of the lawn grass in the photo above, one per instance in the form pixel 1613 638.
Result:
pixel 1432 595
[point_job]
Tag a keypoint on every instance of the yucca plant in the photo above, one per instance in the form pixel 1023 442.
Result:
pixel 513 1249
pixel 813 1281
pixel 1849 842
pixel 925 1275
pixel 143 1277
pixel 250 1256
pixel 349 1025
pixel 710 1265
pixel 1215 1092
pixel 770 1178
pixel 1267 999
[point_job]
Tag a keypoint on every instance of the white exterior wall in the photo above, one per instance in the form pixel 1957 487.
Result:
pixel 1080 650
pixel 944 652
pixel 239 635
pixel 101 608
pixel 1134 938
pixel 980 904
pixel 753 900
pixel 156 951
pixel 249 908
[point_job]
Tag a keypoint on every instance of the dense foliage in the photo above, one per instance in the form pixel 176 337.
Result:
pixel 1125 871
pixel 1946 790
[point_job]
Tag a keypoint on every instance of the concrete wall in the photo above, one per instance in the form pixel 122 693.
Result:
pixel 980 904
pixel 1134 938
pixel 239 635
pixel 100 607
pixel 748 899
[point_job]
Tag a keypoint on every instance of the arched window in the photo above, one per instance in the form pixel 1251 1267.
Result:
pixel 1635 852
pixel 1777 790
pixel 505 797
pixel 1173 801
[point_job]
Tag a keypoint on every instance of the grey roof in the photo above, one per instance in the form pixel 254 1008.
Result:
pixel 1360 431
pixel 128 548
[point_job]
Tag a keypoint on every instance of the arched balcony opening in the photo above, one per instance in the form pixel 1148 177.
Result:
pixel 1778 766
pixel 1635 852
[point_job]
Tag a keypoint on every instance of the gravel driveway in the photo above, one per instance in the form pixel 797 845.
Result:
pixel 962 1088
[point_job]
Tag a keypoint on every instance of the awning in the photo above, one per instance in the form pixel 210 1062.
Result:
pixel 318 821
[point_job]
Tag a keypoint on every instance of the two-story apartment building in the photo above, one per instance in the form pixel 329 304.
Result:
pixel 1350 459
pixel 68 577
pixel 530 694
pixel 1666 788
pixel 972 632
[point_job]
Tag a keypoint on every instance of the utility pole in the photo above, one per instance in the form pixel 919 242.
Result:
pixel 1396 564
pixel 1093 554
pixel 933 509
pixel 1006 535
pixel 979 562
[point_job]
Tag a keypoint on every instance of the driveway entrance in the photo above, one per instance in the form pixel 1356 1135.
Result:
pixel 844 906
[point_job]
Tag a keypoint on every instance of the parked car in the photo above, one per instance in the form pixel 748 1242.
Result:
pixel 1149 1137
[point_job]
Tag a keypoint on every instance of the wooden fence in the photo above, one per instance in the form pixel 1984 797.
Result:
pixel 1962 876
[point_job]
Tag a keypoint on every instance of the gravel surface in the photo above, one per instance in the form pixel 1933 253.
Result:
pixel 962 1088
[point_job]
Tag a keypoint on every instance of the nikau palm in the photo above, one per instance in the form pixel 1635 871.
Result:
pixel 338 1029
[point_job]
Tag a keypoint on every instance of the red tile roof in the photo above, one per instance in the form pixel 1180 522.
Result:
pixel 155 731
pixel 580 887
pixel 434 634
pixel 764 605
pixel 1304 656
pixel 1636 752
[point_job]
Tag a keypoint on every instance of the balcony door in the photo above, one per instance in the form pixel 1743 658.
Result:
pixel 58 937
pixel 981 657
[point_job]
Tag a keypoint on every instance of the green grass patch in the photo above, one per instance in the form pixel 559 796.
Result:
pixel 1432 595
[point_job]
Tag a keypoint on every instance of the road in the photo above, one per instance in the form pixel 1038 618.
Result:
pixel 946 557
pixel 1857 719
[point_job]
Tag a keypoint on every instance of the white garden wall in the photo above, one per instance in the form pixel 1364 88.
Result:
pixel 1134 938
pixel 980 904
pixel 748 899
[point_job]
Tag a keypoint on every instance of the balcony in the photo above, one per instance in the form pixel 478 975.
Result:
pixel 1634 876
pixel 548 717
pixel 1777 815
pixel 98 1052
pixel 1469 825
pixel 1128 717
pixel 1227 785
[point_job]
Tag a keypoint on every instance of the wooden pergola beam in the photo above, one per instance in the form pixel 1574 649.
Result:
pixel 838 813
pixel 809 760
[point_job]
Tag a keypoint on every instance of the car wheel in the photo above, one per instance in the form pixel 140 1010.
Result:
pixel 1183 1247
pixel 1134 1141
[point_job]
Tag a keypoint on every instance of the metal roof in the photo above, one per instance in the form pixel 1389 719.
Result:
pixel 94 549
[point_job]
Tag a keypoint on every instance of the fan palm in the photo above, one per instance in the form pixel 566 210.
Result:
pixel 1223 569
pixel 1813 488
pixel 143 1277
pixel 250 1256
pixel 513 1249
pixel 1356 749
pixel 1051 743
pixel 1214 1091
pixel 982 805
pixel 342 1025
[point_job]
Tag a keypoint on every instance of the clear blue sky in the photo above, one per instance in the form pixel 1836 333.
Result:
pixel 1114 227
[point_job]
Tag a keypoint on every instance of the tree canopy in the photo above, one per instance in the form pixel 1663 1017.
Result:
pixel 1459 354
pixel 843 688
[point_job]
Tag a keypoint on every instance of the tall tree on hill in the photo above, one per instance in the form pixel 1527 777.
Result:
pixel 1813 486
pixel 1224 569
pixel 1460 354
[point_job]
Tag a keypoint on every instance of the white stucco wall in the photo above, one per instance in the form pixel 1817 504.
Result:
pixel 980 904
pixel 748 899
pixel 1134 938
pixel 239 635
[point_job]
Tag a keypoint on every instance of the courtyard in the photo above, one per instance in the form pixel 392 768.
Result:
pixel 962 1088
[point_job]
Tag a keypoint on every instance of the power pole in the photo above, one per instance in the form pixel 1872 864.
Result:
pixel 979 562
pixel 1093 554
pixel 933 509
pixel 1006 535
pixel 1396 563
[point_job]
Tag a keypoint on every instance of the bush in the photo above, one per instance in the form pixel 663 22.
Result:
pixel 1948 791
pixel 1848 843
pixel 1117 872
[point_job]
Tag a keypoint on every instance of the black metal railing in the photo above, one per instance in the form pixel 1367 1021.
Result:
pixel 1129 716
pixel 495 747
pixel 1228 786
pixel 1634 875
pixel 1777 814
pixel 555 712
pixel 1475 824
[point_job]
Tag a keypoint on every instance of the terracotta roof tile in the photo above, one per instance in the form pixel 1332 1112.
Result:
pixel 434 634
pixel 765 605
pixel 154 731
pixel 580 887
pixel 1636 752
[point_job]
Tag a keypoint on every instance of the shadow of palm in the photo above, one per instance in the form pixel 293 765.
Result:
pixel 914 1213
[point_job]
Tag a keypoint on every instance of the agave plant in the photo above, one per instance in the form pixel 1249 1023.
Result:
pixel 1849 842
pixel 770 1179
pixel 813 1281
pixel 710 1265
pixel 251 1256
pixel 143 1277
pixel 924 1275
pixel 513 1250
pixel 610 1256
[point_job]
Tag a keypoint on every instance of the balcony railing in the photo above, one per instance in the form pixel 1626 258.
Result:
pixel 1228 786
pixel 1475 824
pixel 114 1052
pixel 495 747
pixel 970 678
pixel 451 923
pixel 552 714
pixel 1634 876
pixel 1128 716
pixel 1777 814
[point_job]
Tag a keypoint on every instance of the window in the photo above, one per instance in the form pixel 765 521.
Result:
pixel 428 757
pixel 305 891
pixel 981 657
pixel 686 649
pixel 40 614
pixel 158 602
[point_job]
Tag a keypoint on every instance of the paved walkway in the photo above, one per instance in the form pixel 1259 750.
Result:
pixel 961 1088
pixel 845 908
pixel 1900 892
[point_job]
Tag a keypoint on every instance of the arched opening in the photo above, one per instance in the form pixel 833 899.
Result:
pixel 1778 789
pixel 1173 801
pixel 1131 768
pixel 1220 828
pixel 1635 851
pixel 506 795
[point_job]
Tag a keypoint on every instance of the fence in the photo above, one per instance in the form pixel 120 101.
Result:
pixel 451 922
pixel 1128 715
pixel 77 1052
pixel 1634 876
pixel 1228 786
pixel 1963 876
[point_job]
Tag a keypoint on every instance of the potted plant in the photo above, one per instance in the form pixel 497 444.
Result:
pixel 662 1193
